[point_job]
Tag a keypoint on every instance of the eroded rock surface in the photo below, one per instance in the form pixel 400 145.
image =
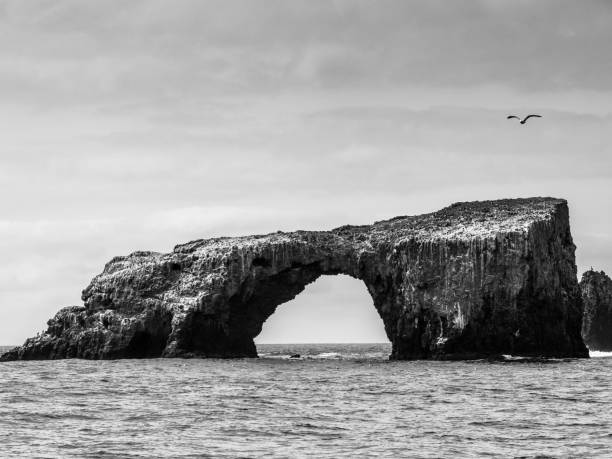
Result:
pixel 471 280
pixel 597 321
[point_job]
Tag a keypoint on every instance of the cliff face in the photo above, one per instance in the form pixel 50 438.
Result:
pixel 472 280
pixel 597 321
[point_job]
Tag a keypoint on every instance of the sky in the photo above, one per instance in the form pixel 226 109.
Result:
pixel 136 125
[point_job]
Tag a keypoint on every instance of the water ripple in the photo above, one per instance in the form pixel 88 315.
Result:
pixel 334 402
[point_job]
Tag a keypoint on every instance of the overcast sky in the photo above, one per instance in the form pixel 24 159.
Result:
pixel 129 125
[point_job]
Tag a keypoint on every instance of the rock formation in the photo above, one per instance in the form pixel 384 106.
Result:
pixel 472 280
pixel 597 321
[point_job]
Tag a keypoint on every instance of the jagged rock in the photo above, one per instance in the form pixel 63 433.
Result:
pixel 472 280
pixel 597 321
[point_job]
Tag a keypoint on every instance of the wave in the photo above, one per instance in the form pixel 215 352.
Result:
pixel 323 351
pixel 326 356
pixel 599 354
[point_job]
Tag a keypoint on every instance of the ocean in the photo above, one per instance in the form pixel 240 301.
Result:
pixel 336 400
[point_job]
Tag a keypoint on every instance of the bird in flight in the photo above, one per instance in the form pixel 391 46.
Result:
pixel 524 120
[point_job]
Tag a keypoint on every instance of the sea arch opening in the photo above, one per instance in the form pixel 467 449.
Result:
pixel 333 309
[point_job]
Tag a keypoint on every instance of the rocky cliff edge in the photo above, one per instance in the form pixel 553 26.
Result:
pixel 474 279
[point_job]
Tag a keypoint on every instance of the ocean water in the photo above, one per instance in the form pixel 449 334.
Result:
pixel 334 401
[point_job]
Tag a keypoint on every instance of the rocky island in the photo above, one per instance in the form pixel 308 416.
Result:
pixel 472 280
pixel 597 321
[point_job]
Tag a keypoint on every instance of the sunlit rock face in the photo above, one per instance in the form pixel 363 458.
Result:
pixel 597 322
pixel 472 280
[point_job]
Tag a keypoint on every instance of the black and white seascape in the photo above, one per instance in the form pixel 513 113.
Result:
pixel 286 229
pixel 337 401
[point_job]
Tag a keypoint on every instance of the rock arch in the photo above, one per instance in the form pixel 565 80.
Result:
pixel 472 280
pixel 267 277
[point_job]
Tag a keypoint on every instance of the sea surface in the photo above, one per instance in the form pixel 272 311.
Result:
pixel 336 400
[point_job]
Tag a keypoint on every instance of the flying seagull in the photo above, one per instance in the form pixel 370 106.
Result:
pixel 524 120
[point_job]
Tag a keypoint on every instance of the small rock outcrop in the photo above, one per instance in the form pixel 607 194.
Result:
pixel 597 321
pixel 475 279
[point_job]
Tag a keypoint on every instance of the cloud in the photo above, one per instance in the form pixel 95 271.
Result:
pixel 76 53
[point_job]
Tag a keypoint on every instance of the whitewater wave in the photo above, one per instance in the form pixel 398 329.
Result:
pixel 599 354
pixel 325 351
pixel 327 356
